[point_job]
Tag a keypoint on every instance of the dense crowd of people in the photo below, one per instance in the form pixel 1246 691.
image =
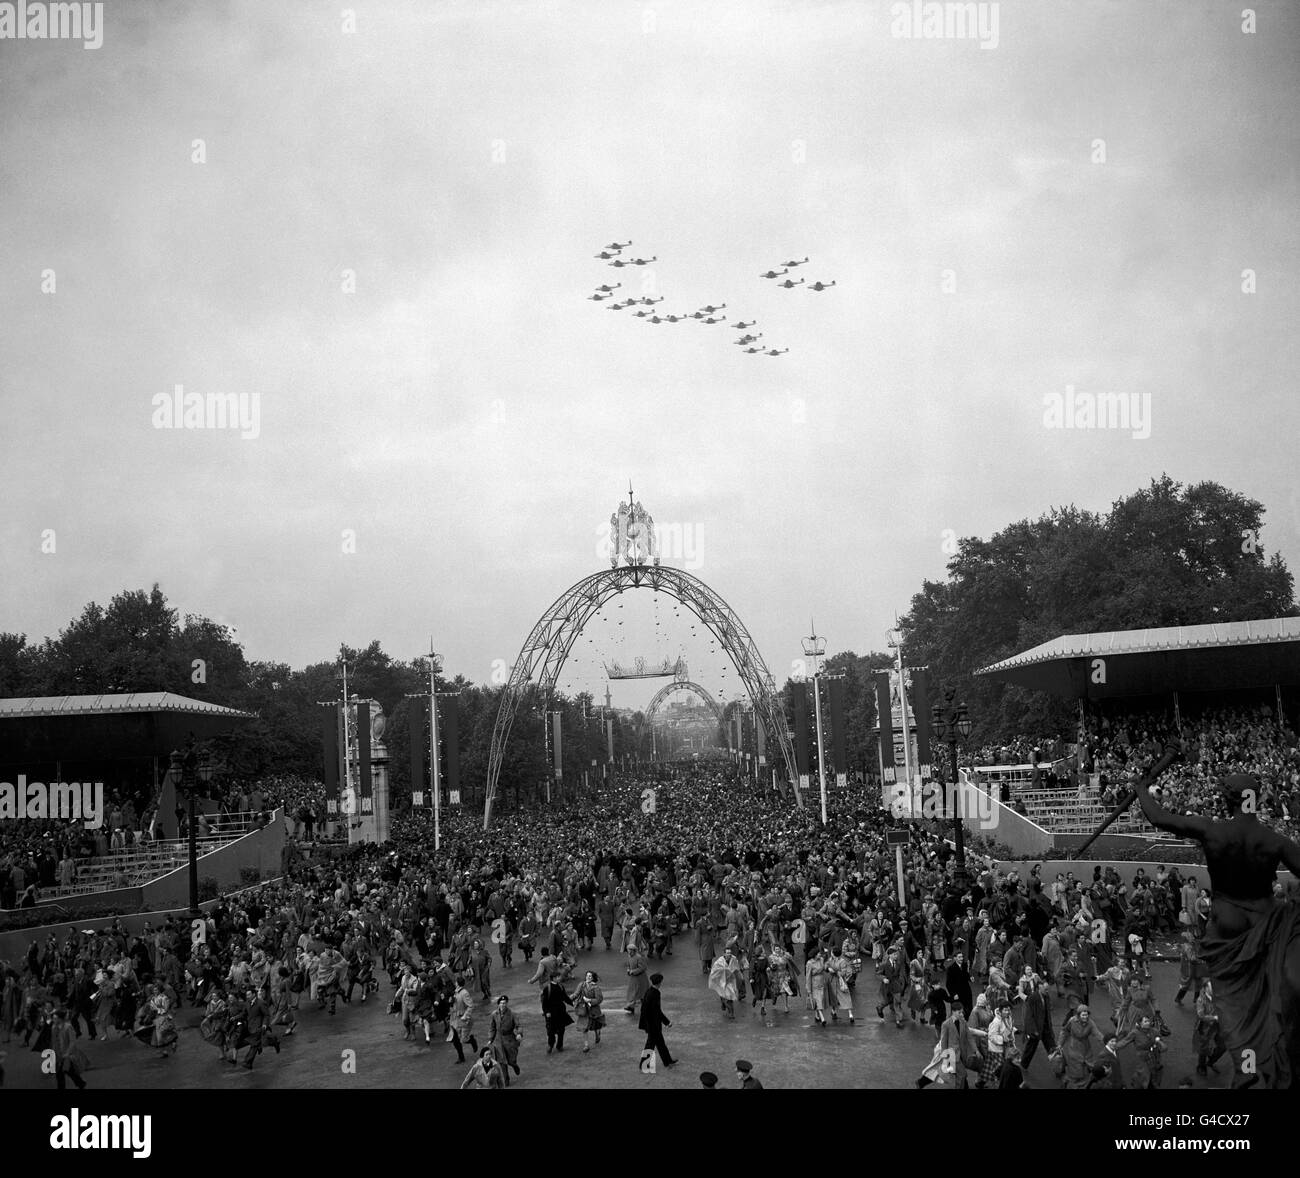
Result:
pixel 1116 751
pixel 41 855
pixel 776 907
pixel 1215 744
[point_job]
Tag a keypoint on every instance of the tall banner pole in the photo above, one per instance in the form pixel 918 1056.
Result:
pixel 907 731
pixel 821 752
pixel 347 744
pixel 434 758
pixel 885 722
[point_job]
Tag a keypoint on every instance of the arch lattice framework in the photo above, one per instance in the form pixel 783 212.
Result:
pixel 548 645
pixel 681 685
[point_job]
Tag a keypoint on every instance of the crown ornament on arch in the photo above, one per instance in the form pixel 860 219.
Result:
pixel 632 535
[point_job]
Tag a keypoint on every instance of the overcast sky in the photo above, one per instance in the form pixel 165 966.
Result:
pixel 474 418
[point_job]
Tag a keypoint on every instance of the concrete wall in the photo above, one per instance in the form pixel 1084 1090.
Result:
pixel 127 899
pixel 1127 869
pixel 263 849
pixel 14 944
pixel 1003 824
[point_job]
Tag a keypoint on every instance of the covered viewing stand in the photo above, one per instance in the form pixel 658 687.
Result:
pixel 1259 658
pixel 123 740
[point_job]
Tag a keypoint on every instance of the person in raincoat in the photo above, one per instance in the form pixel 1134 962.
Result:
pixel 462 1017
pixel 504 1037
pixel 818 978
pixel 1081 1046
pixel 485 1073
pixel 722 981
pixel 637 982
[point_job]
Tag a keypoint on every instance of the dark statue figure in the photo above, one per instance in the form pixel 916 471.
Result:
pixel 1251 946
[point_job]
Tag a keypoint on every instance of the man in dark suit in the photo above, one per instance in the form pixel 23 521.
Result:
pixel 957 981
pixel 744 1070
pixel 554 1001
pixel 653 1021
pixel 1038 1022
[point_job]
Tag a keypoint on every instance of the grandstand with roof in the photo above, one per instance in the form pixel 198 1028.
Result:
pixel 125 741
pixel 1181 671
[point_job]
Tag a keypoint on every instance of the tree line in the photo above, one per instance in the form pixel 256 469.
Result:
pixel 1166 555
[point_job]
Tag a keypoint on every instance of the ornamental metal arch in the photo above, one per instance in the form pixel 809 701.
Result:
pixel 548 645
pixel 681 685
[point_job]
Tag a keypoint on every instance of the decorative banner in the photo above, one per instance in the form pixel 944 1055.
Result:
pixel 365 785
pixel 740 733
pixel 609 735
pixel 455 797
pixel 418 744
pixel 801 730
pixel 921 718
pixel 885 718
pixel 330 751
pixel 839 743
pixel 449 730
pixel 555 745
pixel 760 736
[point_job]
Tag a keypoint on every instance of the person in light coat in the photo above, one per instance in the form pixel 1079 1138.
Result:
pixel 462 1017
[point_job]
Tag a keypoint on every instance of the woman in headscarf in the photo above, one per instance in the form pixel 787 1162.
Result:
pixel 586 1005
pixel 1081 1046
pixel 637 982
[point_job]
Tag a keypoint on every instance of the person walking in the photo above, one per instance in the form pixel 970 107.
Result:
pixel 462 1018
pixel 68 1059
pixel 486 1073
pixel 504 1037
pixel 653 1021
pixel 636 979
pixel 554 1004
pixel 842 975
pixel 955 1053
pixel 1081 1047
pixel 722 981
pixel 1038 1023
pixel 586 1004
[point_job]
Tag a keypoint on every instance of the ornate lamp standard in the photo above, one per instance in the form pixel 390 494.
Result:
pixel 951 723
pixel 191 773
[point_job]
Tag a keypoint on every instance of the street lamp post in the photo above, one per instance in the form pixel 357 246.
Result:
pixel 190 772
pixel 951 723
pixel 814 647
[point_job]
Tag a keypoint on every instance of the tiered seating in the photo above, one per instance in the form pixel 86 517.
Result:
pixel 1061 811
pixel 100 873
